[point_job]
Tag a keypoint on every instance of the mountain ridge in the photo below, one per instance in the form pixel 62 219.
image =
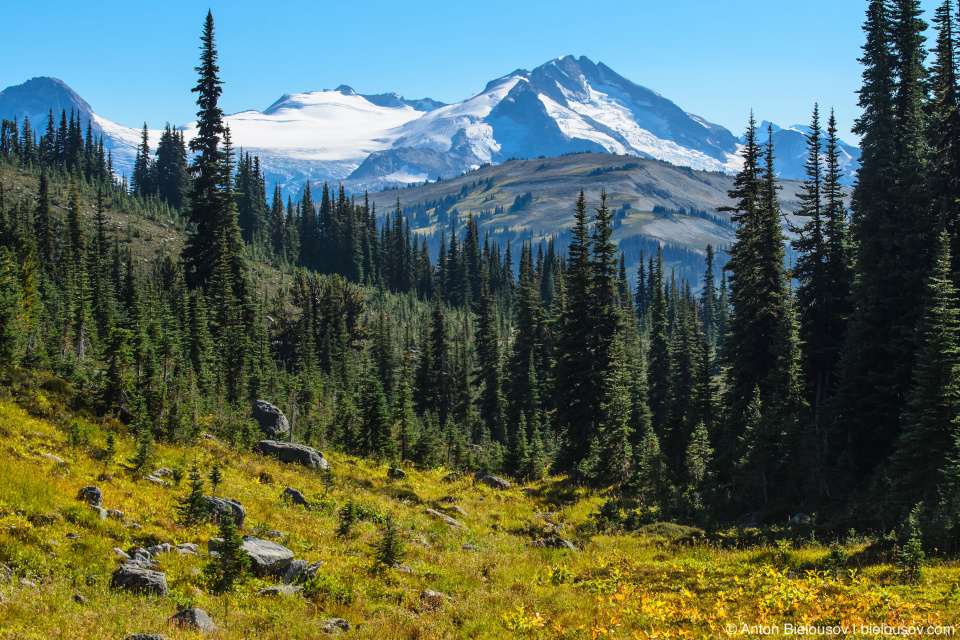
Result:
pixel 377 141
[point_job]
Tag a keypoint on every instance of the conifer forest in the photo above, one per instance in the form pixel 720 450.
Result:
pixel 813 368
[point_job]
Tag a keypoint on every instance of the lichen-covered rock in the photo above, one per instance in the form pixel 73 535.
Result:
pixel 295 497
pixel 91 495
pixel 271 420
pixel 193 619
pixel 292 452
pixel 130 577
pixel 219 506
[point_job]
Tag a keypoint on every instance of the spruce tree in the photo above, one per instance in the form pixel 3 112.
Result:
pixel 758 293
pixel 893 231
pixel 574 389
pixel 207 198
pixel 931 419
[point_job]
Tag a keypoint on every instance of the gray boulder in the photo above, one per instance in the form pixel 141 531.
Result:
pixel 300 571
pixel 100 511
pixel 266 558
pixel 271 420
pixel 91 495
pixel 433 599
pixel 115 514
pixel 553 543
pixel 491 481
pixel 52 458
pixel 220 506
pixel 293 571
pixel 335 625
pixel 292 453
pixel 294 496
pixel 189 547
pixel 445 519
pixel 283 590
pixel 130 577
pixel 193 619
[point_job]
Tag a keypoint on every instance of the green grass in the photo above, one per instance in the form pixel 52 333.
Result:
pixel 666 580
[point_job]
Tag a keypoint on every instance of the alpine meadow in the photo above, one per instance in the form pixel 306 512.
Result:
pixel 561 360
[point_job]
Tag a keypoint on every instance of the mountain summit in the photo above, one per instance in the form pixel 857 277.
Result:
pixel 37 96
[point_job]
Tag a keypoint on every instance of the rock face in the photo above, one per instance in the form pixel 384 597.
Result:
pixel 491 481
pixel 193 619
pixel 445 519
pixel 91 495
pixel 131 577
pixel 292 453
pixel 219 506
pixel 271 420
pixel 294 496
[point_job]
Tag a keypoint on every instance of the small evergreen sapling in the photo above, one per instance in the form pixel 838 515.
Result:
pixel 910 557
pixel 192 508
pixel 144 450
pixel 388 551
pixel 232 563
pixel 215 478
pixel 348 517
pixel 110 451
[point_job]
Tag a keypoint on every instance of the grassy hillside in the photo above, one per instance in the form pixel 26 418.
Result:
pixel 662 580
pixel 654 202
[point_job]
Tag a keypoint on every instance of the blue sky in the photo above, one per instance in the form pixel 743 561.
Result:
pixel 134 62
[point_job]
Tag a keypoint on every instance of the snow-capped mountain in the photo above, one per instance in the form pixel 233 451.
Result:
pixel 566 105
pixel 790 151
pixel 375 141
